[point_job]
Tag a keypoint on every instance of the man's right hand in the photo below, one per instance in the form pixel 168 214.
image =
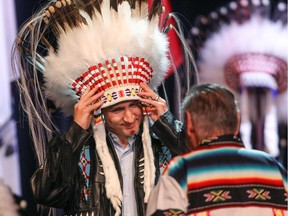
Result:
pixel 84 109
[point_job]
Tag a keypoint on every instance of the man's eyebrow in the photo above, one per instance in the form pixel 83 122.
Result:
pixel 135 103
pixel 116 108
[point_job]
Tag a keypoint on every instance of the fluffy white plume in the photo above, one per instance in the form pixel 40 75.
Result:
pixel 113 35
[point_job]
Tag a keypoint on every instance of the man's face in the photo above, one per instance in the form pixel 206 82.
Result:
pixel 123 119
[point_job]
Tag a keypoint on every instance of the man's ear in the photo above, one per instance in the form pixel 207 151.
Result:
pixel 188 124
pixel 238 123
pixel 191 136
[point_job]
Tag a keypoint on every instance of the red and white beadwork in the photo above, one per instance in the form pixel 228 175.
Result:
pixel 118 78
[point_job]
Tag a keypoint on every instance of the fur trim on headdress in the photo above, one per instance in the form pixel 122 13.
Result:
pixel 149 167
pixel 112 184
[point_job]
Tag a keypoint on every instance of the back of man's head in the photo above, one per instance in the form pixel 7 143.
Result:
pixel 213 110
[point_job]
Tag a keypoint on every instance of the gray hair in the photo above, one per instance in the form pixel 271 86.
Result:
pixel 212 108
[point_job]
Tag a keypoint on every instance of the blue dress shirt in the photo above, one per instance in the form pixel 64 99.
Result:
pixel 126 159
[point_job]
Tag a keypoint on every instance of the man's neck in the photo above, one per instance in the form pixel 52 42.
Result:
pixel 123 141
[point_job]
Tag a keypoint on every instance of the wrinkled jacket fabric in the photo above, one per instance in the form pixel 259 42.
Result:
pixel 59 183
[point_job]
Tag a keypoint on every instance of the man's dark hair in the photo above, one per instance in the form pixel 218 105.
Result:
pixel 212 108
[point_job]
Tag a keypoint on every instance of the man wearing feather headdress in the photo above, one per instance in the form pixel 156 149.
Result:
pixel 98 61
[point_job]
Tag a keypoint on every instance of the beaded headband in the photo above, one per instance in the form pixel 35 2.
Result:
pixel 118 83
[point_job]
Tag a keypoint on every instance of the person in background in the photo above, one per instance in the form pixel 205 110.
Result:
pixel 218 176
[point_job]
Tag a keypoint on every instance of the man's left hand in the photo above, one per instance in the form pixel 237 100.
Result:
pixel 157 105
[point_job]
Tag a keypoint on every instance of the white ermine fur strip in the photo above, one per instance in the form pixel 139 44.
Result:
pixel 149 167
pixel 112 183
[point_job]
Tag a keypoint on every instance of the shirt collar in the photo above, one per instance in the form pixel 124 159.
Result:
pixel 228 138
pixel 115 139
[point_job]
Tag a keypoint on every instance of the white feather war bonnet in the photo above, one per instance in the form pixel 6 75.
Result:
pixel 73 45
